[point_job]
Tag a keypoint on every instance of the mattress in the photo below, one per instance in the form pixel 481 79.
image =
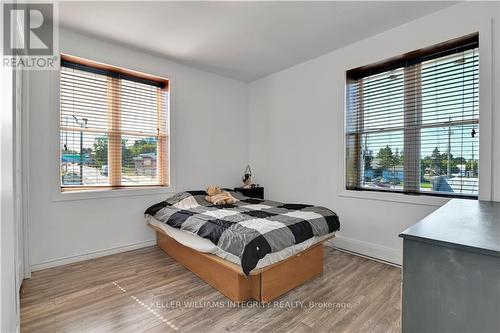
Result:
pixel 249 228
pixel 204 245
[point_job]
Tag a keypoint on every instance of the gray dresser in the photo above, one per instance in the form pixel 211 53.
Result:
pixel 451 270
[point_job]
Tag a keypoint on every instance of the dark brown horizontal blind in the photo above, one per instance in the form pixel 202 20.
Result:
pixel 113 128
pixel 414 128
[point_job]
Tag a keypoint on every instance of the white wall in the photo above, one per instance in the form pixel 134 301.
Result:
pixel 210 146
pixel 9 315
pixel 9 244
pixel 296 132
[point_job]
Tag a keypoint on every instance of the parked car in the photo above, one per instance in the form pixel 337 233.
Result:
pixel 104 170
pixel 72 178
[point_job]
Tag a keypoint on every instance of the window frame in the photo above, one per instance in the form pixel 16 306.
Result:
pixel 82 192
pixel 483 31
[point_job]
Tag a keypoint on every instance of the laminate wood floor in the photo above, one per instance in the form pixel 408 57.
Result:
pixel 147 291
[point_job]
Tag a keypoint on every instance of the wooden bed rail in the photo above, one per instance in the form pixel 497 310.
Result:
pixel 264 284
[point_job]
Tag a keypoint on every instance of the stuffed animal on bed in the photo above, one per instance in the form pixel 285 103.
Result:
pixel 218 197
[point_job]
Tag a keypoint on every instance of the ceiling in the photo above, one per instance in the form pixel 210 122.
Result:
pixel 241 40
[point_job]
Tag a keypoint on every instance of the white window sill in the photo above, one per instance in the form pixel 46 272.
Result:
pixel 111 193
pixel 423 200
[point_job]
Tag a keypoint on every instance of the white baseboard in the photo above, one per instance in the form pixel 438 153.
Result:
pixel 91 255
pixel 350 244
pixel 367 249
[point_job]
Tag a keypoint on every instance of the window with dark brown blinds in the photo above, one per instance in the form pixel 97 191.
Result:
pixel 113 127
pixel 412 122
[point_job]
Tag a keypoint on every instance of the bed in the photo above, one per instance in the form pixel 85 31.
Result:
pixel 253 248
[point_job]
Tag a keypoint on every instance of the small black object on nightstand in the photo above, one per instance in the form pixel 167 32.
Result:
pixel 251 192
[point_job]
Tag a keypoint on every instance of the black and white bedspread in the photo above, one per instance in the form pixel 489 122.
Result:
pixel 249 228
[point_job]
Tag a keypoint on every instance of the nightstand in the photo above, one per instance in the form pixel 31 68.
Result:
pixel 251 192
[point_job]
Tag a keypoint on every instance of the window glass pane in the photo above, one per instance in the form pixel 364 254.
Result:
pixel 449 160
pixel 84 162
pixel 83 122
pixel 139 161
pixel 382 160
pixel 450 115
pixel 83 96
pixel 450 88
pixel 139 107
pixel 383 100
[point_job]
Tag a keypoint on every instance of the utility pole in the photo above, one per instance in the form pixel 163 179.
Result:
pixel 448 167
pixel 82 124
pixel 472 161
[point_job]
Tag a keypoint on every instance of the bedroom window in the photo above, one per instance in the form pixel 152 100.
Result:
pixel 113 127
pixel 412 122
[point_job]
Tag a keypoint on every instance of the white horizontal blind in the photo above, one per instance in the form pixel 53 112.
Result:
pixel 415 128
pixel 113 130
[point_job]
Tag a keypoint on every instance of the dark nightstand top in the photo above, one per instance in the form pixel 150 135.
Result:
pixel 252 192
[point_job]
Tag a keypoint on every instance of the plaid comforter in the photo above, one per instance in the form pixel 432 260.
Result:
pixel 249 228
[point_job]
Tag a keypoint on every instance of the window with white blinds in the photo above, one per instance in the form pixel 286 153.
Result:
pixel 412 122
pixel 113 127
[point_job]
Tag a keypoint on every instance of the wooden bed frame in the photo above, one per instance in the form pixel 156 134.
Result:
pixel 262 285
